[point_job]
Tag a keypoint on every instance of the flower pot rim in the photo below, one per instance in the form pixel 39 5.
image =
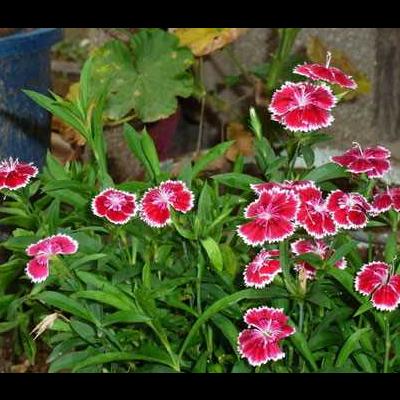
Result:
pixel 27 42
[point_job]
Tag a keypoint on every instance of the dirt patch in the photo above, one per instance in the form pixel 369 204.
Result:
pixel 14 364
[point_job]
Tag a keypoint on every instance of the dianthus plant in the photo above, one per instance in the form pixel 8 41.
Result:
pixel 281 271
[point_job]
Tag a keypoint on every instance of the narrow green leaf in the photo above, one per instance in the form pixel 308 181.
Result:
pixel 227 328
pixel 213 252
pixel 349 346
pixel 299 341
pixel 105 298
pixel 390 251
pixel 326 172
pixel 236 180
pixel 342 251
pixel 127 317
pixel 65 303
pixel 220 305
pixel 210 156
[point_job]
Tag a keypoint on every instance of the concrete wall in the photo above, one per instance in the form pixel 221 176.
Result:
pixel 369 119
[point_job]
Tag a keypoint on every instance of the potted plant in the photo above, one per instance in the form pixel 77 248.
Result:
pixel 24 63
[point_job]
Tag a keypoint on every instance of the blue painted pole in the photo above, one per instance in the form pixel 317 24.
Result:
pixel 25 64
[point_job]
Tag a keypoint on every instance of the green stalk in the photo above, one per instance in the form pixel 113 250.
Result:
pixel 387 344
pixel 287 38
pixel 301 315
pixel 200 270
pixel 292 160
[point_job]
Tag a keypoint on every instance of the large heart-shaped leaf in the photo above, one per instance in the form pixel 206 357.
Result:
pixel 146 76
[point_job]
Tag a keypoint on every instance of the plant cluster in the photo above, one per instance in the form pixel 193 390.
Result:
pixel 159 275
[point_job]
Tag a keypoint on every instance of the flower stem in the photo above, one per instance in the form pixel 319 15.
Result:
pixel 301 315
pixel 387 345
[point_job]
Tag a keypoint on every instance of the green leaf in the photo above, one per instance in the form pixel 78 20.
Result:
pixel 150 152
pixel 345 278
pixel 349 346
pixel 390 251
pixel 170 285
pixel 342 251
pixel 308 155
pixel 326 172
pixel 205 206
pixel 299 341
pixel 127 317
pixel 146 276
pixel 64 110
pixel 7 326
pixel 312 259
pixel 255 123
pixel 236 180
pixel 201 364
pixel 26 222
pixel 231 264
pixel 65 303
pixel 146 76
pixel 106 287
pixel 55 168
pixel 29 346
pixel 143 149
pixel 324 339
pixel 213 252
pixel 210 156
pixel 87 259
pixel 227 328
pixel 221 304
pixel 105 298
pixel 85 331
pixel 100 359
pixel 363 308
pixel 241 366
pixel 133 186
pixel 19 243
pixel 69 360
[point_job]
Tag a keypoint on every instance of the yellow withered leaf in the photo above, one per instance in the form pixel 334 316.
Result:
pixel 204 41
pixel 243 141
pixel 316 52
pixel 73 92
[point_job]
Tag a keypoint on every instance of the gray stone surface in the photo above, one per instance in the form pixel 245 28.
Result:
pixel 353 120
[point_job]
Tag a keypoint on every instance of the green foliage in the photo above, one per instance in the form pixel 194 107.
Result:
pixel 146 75
pixel 141 299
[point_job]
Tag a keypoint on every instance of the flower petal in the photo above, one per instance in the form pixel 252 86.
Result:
pixel 257 349
pixel 261 271
pixel 387 297
pixel 37 269
pixel 371 276
pixel 179 196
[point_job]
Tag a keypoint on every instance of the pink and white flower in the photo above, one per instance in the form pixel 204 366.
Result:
pixel 374 161
pixel 318 247
pixel 332 75
pixel 37 268
pixel 376 280
pixel 349 210
pixel 156 204
pixel 386 200
pixel 115 205
pixel 53 245
pixel 260 343
pixel 286 185
pixel 15 174
pixel 263 269
pixel 313 214
pixel 303 106
pixel 272 217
